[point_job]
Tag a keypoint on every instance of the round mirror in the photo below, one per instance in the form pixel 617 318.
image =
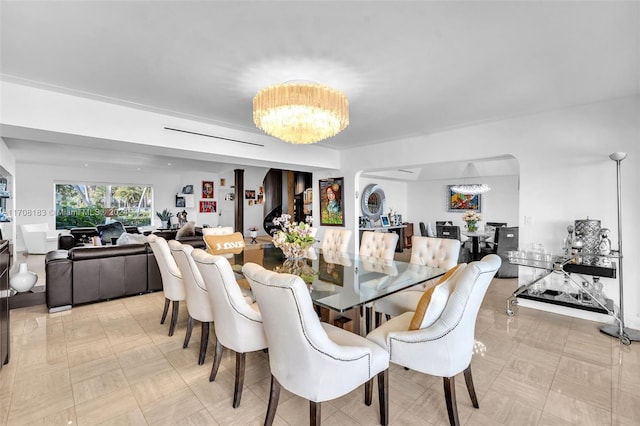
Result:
pixel 372 202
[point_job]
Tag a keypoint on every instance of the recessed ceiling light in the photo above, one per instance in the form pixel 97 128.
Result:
pixel 168 164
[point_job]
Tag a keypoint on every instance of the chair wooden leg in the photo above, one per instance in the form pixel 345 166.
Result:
pixel 450 398
pixel 204 341
pixel 383 396
pixel 217 357
pixel 472 390
pixel 165 310
pixel 174 317
pixel 237 391
pixel 368 391
pixel 314 413
pixel 274 397
pixel 187 336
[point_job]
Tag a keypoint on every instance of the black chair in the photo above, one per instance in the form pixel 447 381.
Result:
pixel 507 239
pixel 423 230
pixel 453 233
pixel 495 226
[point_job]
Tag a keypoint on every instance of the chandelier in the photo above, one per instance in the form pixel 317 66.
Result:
pixel 470 173
pixel 301 113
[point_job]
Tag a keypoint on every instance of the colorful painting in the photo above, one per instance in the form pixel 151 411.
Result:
pixel 207 189
pixel 208 206
pixel 463 202
pixel 331 203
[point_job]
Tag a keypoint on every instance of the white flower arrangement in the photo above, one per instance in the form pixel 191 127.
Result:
pixel 471 216
pixel 293 238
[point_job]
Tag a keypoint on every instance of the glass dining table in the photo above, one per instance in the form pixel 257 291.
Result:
pixel 341 283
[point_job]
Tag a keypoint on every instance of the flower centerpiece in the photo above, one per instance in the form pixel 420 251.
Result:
pixel 293 238
pixel 471 218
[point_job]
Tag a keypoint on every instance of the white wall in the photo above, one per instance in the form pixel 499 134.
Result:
pixel 428 201
pixel 565 173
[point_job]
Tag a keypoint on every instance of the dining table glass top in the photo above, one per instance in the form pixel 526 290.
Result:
pixel 341 281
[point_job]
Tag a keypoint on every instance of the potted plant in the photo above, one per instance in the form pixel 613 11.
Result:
pixel 165 217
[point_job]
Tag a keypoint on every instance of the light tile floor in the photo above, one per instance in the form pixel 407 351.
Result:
pixel 113 363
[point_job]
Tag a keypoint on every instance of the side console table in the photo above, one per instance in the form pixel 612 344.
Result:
pixel 562 281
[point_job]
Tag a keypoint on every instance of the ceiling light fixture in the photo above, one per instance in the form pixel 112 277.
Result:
pixel 301 112
pixel 468 174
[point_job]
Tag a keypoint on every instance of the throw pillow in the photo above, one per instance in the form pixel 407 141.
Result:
pixel 127 238
pixel 109 231
pixel 221 244
pixel 433 301
pixel 187 230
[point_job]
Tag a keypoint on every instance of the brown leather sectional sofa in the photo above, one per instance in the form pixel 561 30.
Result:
pixel 91 274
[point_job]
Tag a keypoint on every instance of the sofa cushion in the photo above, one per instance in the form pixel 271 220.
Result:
pixel 221 244
pixel 109 231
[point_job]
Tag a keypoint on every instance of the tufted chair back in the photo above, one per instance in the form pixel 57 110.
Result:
pixel 381 245
pixel 198 303
pixel 314 360
pixel 436 252
pixel 336 240
pixel 172 284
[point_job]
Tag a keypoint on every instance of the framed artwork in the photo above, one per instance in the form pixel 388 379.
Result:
pixel 208 206
pixel 223 181
pixel 330 272
pixel 187 189
pixel 384 220
pixel 331 203
pixel 462 202
pixel 250 194
pixel 180 201
pixel 207 189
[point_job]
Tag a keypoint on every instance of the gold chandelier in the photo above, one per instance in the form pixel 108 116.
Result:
pixel 301 113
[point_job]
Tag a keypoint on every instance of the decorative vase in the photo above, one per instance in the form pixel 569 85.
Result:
pixel 23 280
pixel 293 251
pixel 472 226
pixel 165 224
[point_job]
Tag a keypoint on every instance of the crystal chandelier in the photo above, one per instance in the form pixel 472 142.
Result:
pixel 301 113
pixel 470 173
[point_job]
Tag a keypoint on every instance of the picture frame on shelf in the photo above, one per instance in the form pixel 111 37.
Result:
pixel 462 202
pixel 384 220
pixel 331 202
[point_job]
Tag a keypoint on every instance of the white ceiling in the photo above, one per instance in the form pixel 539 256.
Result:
pixel 408 68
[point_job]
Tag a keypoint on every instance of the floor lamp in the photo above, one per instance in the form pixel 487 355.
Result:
pixel 626 335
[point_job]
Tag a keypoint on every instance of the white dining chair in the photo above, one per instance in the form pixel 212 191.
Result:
pixel 314 360
pixel 198 303
pixel 337 240
pixel 437 252
pixel 444 347
pixel 237 321
pixel 172 285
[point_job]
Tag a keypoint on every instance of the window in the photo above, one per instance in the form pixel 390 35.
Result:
pixel 85 204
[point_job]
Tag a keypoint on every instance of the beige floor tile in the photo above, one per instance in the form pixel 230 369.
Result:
pixel 588 382
pixel 172 407
pixel 113 363
pixel 575 411
pixel 111 406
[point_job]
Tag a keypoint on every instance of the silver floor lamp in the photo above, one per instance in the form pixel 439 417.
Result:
pixel 625 334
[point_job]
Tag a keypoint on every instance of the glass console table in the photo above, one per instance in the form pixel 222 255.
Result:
pixel 564 281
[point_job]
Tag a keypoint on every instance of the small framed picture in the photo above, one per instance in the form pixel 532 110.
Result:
pixel 207 189
pixel 250 194
pixel 180 201
pixel 208 206
pixel 384 219
pixel 187 189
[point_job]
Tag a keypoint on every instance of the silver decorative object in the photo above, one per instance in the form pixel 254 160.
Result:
pixel 589 232
pixel 626 335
